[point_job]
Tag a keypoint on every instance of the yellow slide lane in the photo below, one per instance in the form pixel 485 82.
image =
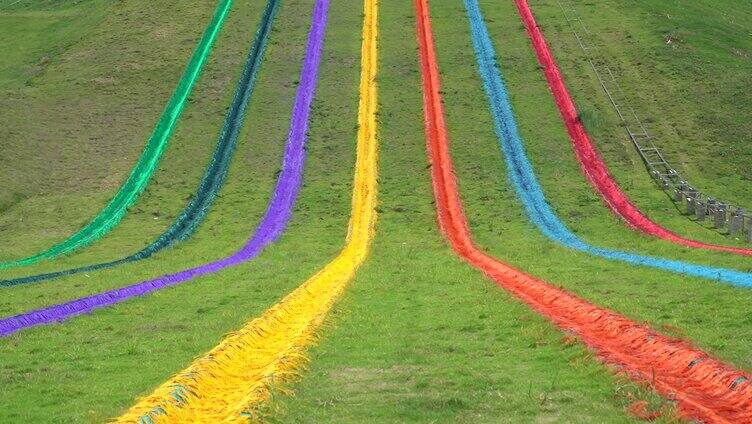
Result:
pixel 235 377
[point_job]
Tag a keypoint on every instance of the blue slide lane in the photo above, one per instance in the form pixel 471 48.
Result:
pixel 521 173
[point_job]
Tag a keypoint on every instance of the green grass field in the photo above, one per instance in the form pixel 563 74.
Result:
pixel 419 336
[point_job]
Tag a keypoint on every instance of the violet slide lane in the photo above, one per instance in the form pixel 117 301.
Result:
pixel 274 222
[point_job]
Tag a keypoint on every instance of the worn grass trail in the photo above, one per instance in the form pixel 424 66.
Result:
pixel 528 188
pixel 237 374
pixel 590 159
pixel 703 387
pixel 147 164
pixel 195 211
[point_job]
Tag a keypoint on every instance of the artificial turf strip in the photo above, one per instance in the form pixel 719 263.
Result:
pixel 234 378
pixel 193 215
pixel 703 387
pixel 523 178
pixel 590 160
pixel 147 164
pixel 272 225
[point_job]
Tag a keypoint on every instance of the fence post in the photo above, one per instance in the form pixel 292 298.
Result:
pixel 737 222
pixel 720 216
pixel 702 210
pixel 680 189
pixel 691 203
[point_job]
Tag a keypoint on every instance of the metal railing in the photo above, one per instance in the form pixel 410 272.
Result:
pixel 722 215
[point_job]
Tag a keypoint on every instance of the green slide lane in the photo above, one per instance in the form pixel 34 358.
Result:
pixel 147 164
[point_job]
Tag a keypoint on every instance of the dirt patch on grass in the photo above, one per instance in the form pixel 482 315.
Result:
pixel 362 380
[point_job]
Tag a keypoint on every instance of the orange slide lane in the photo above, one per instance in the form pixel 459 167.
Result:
pixel 704 388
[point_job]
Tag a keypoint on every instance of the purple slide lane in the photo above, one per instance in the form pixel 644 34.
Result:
pixel 272 225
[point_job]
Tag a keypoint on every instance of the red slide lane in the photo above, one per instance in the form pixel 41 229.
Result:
pixel 703 387
pixel 592 164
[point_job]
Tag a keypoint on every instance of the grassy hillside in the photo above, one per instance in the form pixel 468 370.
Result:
pixel 80 108
pixel 420 336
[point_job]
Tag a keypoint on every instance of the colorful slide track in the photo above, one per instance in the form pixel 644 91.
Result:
pixel 526 184
pixel 273 223
pixel 230 380
pixel 147 164
pixel 704 388
pixel 590 160
pixel 214 176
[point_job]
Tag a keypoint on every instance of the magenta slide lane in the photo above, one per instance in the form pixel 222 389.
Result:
pixel 593 166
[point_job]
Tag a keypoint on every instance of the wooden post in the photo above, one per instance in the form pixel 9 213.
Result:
pixel 702 211
pixel 737 220
pixel 679 195
pixel 691 205
pixel 720 216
